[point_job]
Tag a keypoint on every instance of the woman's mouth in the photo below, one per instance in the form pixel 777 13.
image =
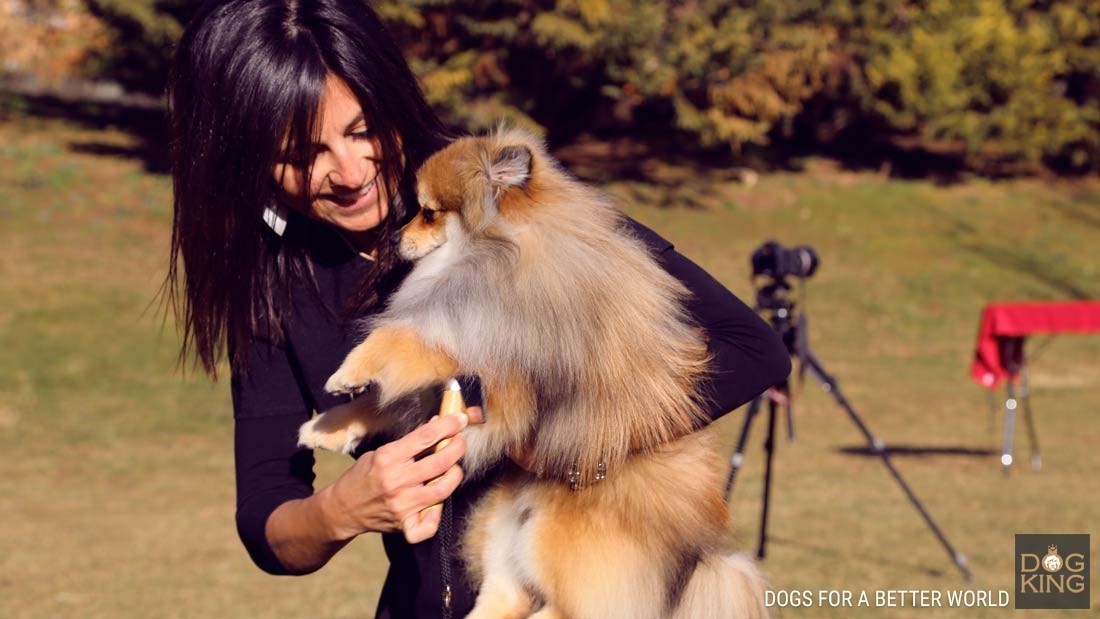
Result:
pixel 358 200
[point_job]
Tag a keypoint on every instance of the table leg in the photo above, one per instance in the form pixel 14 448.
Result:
pixel 1010 425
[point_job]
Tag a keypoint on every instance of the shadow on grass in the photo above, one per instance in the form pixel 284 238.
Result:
pixel 1085 211
pixel 677 170
pixel 1044 267
pixel 898 157
pixel 657 168
pixel 671 161
pixel 880 559
pixel 921 451
pixel 142 117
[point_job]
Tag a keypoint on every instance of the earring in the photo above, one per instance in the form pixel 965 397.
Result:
pixel 275 217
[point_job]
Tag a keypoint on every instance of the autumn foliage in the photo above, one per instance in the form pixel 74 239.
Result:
pixel 1015 78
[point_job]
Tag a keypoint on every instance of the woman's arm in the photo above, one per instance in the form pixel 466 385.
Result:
pixel 385 490
pixel 284 525
pixel 748 355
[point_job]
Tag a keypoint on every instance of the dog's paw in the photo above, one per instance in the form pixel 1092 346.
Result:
pixel 313 435
pixel 345 380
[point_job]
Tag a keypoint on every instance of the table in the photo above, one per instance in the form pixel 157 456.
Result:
pixel 999 354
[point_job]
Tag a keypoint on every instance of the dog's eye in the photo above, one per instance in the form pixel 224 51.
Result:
pixel 428 215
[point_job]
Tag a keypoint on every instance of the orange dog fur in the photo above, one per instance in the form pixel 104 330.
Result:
pixel 527 278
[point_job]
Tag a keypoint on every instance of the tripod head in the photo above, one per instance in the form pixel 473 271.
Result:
pixel 774 302
pixel 774 264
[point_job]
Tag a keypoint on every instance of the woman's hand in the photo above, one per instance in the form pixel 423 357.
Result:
pixel 388 489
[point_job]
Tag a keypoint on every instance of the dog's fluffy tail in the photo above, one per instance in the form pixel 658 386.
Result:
pixel 724 586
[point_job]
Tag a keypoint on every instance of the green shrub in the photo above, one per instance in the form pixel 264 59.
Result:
pixel 1014 79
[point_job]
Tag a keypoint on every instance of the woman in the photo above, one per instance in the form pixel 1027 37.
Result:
pixel 296 131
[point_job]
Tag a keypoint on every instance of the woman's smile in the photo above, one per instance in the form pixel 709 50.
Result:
pixel 364 197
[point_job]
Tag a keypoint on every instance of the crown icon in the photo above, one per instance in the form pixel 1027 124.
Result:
pixel 1052 548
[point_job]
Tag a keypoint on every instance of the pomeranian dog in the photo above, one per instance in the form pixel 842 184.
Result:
pixel 527 278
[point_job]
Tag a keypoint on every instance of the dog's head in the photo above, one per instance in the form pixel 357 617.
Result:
pixel 463 188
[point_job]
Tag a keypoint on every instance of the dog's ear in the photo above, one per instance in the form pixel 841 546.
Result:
pixel 510 167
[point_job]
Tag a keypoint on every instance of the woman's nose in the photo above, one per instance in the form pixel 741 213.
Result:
pixel 347 170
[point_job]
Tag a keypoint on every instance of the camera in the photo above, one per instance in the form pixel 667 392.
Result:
pixel 775 261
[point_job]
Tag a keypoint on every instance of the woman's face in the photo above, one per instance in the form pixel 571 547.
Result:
pixel 346 189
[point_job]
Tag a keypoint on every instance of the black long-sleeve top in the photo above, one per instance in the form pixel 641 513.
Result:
pixel 283 386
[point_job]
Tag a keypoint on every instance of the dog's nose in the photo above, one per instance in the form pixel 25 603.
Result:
pixel 395 238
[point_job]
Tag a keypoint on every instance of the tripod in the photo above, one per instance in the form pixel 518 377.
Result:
pixel 796 337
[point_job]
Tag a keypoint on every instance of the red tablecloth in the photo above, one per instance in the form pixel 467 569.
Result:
pixel 1021 320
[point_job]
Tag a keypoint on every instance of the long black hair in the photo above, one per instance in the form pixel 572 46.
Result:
pixel 248 73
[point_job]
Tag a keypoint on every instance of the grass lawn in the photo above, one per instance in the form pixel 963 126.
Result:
pixel 118 488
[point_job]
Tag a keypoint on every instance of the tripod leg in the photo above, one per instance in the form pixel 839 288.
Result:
pixel 1010 425
pixel 790 419
pixel 1029 419
pixel 829 384
pixel 738 457
pixel 769 448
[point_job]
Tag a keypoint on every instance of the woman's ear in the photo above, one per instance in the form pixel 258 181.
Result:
pixel 510 167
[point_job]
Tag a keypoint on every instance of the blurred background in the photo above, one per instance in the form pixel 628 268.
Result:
pixel 938 155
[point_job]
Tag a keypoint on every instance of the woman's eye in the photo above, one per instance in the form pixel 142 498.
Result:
pixel 363 134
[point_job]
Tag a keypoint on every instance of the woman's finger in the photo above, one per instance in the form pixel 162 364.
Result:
pixel 423 521
pixel 423 438
pixel 431 494
pixel 438 489
pixel 418 527
pixel 476 414
pixel 435 464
